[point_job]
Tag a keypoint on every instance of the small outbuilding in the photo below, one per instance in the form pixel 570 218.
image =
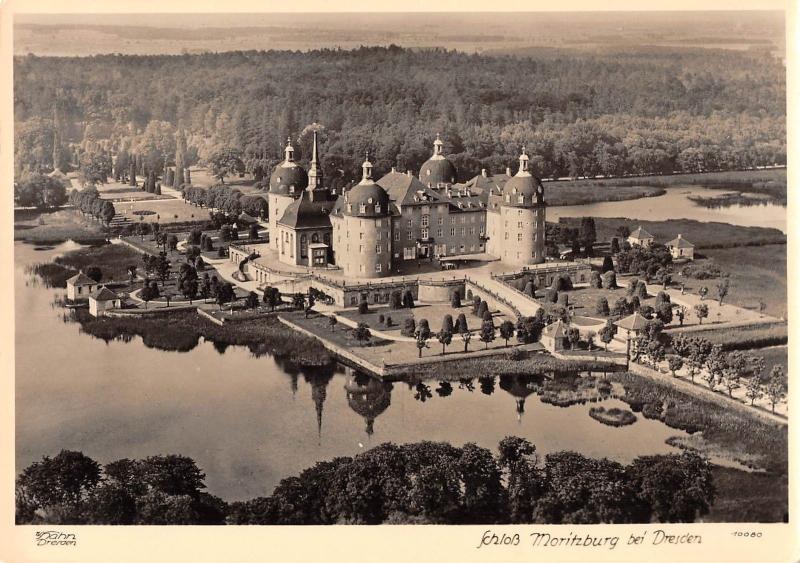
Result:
pixel 630 327
pixel 102 300
pixel 80 286
pixel 681 249
pixel 554 336
pixel 640 237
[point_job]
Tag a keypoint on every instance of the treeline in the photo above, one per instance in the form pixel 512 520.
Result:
pixel 578 114
pixel 88 202
pixel 423 483
pixel 226 199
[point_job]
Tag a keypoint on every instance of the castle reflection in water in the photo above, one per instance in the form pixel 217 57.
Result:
pixel 369 396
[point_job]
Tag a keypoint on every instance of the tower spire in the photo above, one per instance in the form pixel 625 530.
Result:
pixel 437 146
pixel 523 162
pixel 289 150
pixel 366 168
pixel 314 168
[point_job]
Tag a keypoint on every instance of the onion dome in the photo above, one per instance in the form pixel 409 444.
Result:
pixel 367 198
pixel 437 169
pixel 288 178
pixel 523 189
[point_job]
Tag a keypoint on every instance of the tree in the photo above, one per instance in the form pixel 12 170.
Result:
pixel 487 333
pixel 466 336
pixel 506 331
pixel 64 480
pixel 409 327
pixel 132 273
pixel 754 389
pixel 461 324
pixel 664 312
pixel 483 308
pixel 455 300
pixel 701 311
pixel 309 304
pixel 602 307
pixel 332 322
pixel 172 242
pixel 162 267
pixel 445 337
pixel 530 289
pixel 607 333
pixel 408 299
pixel 680 312
pixel 225 294
pixel 447 324
pixel 251 301
pixel 676 488
pixel 299 300
pixel 573 336
pixel 608 265
pixel 361 333
pixel 94 273
pixel 396 299
pixel 226 162
pixel 675 363
pixel 423 329
pixel 595 280
pixel 722 289
pixel 363 307
pixel 421 342
pixel 271 297
pixel 610 280
pixel 614 246
pixel 588 231
pixel 776 386
pixel 40 191
pixel 253 231
pixel 702 292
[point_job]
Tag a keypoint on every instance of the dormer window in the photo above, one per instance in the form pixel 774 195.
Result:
pixel 362 208
pixel 349 207
pixel 508 198
pixel 377 208
pixel 521 199
pixel 291 189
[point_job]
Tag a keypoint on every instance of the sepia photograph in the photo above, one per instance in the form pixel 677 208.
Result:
pixel 400 267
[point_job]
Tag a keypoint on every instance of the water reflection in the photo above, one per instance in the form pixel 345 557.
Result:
pixel 369 397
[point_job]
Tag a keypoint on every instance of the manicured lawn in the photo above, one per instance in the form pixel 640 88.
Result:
pixel 165 211
pixel 746 337
pixel 584 300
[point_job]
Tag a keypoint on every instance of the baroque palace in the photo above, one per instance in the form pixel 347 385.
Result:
pixel 376 226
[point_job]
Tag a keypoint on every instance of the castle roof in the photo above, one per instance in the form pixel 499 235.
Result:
pixel 523 189
pixel 556 330
pixel 288 178
pixel 303 213
pixel 404 189
pixel 437 169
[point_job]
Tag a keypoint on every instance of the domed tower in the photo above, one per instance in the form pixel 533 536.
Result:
pixel 437 171
pixel 362 229
pixel 521 220
pixel 520 387
pixel 286 184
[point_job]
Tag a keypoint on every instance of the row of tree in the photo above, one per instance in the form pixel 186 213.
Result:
pixel 423 482
pixel 88 202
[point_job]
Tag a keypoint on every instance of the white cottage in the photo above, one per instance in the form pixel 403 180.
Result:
pixel 80 286
pixel 640 237
pixel 102 300
pixel 681 249
pixel 554 336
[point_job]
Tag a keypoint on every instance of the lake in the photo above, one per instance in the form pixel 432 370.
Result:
pixel 675 204
pixel 249 422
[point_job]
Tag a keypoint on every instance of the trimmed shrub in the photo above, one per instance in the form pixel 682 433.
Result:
pixel 409 327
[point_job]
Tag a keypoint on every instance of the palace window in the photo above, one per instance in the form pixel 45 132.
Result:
pixel 463 219
pixel 397 235
pixel 303 246
pixel 378 268
pixel 378 235
pixel 439 232
pixel 440 220
pixel 452 231
pixel 425 219
pixel 519 224
pixel 506 235
pixel 519 237
pixel 360 236
pixel 377 249
pixel 452 220
pixel 411 223
pixel 315 238
pixel 361 249
pixel 410 235
pixel 472 230
pixel 377 210
pixel 463 231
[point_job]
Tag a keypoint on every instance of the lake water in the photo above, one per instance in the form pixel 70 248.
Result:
pixel 675 204
pixel 249 422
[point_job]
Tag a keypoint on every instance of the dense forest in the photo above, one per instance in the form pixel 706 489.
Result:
pixel 645 110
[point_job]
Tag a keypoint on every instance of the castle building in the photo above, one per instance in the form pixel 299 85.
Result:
pixel 373 228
